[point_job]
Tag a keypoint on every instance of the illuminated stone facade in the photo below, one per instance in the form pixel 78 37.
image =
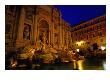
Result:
pixel 40 26
pixel 89 33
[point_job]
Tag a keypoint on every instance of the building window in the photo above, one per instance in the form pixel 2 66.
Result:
pixel 100 34
pixel 93 28
pixel 90 36
pixel 82 32
pixel 90 29
pixel 8 36
pixel 85 31
pixel 79 33
pixel 87 37
pixel 88 42
pixel 93 35
pixel 76 34
pixel 99 26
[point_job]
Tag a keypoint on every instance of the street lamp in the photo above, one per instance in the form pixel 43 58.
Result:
pixel 102 48
pixel 77 50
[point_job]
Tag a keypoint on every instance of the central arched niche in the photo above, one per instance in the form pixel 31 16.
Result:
pixel 43 33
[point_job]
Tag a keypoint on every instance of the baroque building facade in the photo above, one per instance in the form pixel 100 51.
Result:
pixel 90 33
pixel 40 26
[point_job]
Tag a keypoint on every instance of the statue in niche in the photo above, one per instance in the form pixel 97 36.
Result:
pixel 46 38
pixel 41 41
pixel 26 33
pixel 41 37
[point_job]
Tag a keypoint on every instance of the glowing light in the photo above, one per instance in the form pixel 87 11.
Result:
pixel 13 65
pixel 79 43
pixel 104 65
pixel 74 64
pixel 80 64
pixel 102 48
pixel 73 53
pixel 77 50
pixel 32 51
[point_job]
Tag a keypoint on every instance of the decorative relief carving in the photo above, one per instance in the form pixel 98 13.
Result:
pixel 9 19
pixel 44 12
pixel 8 36
pixel 10 9
pixel 29 12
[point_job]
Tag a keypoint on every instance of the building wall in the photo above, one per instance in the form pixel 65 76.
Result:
pixel 84 35
pixel 33 25
pixel 65 33
pixel 10 23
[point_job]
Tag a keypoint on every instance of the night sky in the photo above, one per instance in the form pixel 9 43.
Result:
pixel 75 14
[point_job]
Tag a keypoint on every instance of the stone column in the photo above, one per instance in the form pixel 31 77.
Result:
pixel 21 25
pixel 59 45
pixel 20 28
pixel 60 37
pixel 52 37
pixel 35 30
pixel 67 38
pixel 49 35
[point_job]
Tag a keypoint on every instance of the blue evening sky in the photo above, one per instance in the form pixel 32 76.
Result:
pixel 75 14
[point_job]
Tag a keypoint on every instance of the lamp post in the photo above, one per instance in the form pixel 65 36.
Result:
pixel 102 49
